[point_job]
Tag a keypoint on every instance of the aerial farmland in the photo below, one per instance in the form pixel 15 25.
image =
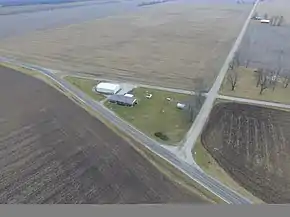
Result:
pixel 173 44
pixel 53 151
pixel 251 143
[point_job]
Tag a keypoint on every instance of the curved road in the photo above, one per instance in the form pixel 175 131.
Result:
pixel 191 170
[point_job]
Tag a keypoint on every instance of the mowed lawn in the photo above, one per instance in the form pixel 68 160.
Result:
pixel 156 114
pixel 246 88
pixel 53 152
pixel 86 85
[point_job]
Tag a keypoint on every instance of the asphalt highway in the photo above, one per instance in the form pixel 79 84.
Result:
pixel 192 171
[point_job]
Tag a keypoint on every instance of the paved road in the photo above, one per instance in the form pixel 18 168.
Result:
pixel 192 171
pixel 255 102
pixel 201 119
pixel 196 174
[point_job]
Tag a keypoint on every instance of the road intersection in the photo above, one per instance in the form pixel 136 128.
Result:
pixel 181 160
pixel 201 119
pixel 192 171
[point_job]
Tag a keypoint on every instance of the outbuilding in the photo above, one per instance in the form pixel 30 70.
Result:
pixel 265 21
pixel 129 95
pixel 180 105
pixel 107 88
pixel 122 100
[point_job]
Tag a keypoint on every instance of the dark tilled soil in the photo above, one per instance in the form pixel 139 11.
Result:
pixel 253 145
pixel 52 151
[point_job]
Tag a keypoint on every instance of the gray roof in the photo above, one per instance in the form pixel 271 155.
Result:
pixel 122 99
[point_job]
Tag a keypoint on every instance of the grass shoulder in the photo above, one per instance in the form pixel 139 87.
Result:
pixel 204 159
pixel 172 173
pixel 86 85
pixel 156 114
pixel 34 74
pixel 21 69
pixel 247 88
pixel 164 167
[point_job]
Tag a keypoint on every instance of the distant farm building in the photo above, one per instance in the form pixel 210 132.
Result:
pixel 129 95
pixel 265 21
pixel 122 100
pixel 107 88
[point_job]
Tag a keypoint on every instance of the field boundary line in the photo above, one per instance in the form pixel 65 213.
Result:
pixel 197 174
pixel 254 102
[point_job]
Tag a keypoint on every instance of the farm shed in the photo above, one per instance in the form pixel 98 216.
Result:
pixel 122 100
pixel 265 21
pixel 107 88
pixel 180 105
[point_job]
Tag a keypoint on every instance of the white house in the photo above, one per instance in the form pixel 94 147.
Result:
pixel 107 88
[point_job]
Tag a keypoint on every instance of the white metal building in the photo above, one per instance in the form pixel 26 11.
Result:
pixel 107 88
pixel 265 21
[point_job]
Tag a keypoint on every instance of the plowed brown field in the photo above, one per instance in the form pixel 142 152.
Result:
pixel 253 145
pixel 52 151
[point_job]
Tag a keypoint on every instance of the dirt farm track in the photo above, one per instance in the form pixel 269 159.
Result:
pixel 52 151
pixel 252 144
pixel 172 45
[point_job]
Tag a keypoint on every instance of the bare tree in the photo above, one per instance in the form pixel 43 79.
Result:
pixel 272 21
pixel 235 63
pixel 258 75
pixel 280 59
pixel 231 65
pixel 286 81
pixel 273 79
pixel 233 78
pixel 193 105
pixel 280 21
pixel 236 59
pixel 247 63
pixel 195 102
pixel 249 44
pixel 264 81
pixel 190 111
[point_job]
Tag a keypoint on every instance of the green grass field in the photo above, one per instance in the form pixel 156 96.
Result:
pixel 85 85
pixel 156 114
pixel 246 88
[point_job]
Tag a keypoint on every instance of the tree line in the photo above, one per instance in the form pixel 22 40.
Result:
pixel 276 20
pixel 265 78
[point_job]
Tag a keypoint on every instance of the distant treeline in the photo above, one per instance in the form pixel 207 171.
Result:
pixel 6 3
pixel 153 2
